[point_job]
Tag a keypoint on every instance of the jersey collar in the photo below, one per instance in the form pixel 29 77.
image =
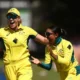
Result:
pixel 58 40
pixel 20 27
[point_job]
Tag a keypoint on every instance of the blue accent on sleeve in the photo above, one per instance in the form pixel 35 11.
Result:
pixel 46 66
pixel 77 69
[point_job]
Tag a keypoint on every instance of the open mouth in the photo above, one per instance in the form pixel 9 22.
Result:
pixel 12 22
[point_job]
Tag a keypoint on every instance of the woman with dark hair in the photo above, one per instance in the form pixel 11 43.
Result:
pixel 61 52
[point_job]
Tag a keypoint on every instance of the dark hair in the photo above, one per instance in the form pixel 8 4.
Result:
pixel 60 31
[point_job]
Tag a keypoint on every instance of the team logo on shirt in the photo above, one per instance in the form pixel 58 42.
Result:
pixel 15 40
pixel 21 32
pixel 60 51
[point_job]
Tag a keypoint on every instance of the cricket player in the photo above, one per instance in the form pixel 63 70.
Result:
pixel 60 51
pixel 17 65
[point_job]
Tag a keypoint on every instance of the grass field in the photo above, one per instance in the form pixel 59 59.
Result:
pixel 41 74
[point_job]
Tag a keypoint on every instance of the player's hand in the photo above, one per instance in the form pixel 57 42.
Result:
pixel 35 60
pixel 49 48
pixel 51 52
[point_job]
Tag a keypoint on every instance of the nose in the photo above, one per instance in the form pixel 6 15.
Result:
pixel 11 19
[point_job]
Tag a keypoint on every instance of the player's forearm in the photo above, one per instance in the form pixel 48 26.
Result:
pixel 45 66
pixel 60 60
pixel 63 60
pixel 42 39
pixel 53 55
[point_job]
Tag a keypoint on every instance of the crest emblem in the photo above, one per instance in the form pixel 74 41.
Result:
pixel 60 51
pixel 21 32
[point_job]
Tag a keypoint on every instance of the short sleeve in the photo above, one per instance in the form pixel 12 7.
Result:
pixel 32 32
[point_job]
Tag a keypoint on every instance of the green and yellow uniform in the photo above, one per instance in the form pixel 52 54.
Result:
pixel 16 56
pixel 66 62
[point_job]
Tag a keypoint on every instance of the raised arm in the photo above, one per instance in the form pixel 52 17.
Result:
pixel 41 39
pixel 37 37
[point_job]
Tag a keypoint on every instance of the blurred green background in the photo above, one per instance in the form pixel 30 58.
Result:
pixel 42 74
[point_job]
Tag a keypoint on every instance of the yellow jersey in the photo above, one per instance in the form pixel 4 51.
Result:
pixel 64 51
pixel 16 42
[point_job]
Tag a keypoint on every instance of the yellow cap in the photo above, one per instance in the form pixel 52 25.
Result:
pixel 14 10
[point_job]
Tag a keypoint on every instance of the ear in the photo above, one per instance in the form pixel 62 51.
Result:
pixel 19 20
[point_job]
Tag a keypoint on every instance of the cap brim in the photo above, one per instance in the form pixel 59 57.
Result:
pixel 11 13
